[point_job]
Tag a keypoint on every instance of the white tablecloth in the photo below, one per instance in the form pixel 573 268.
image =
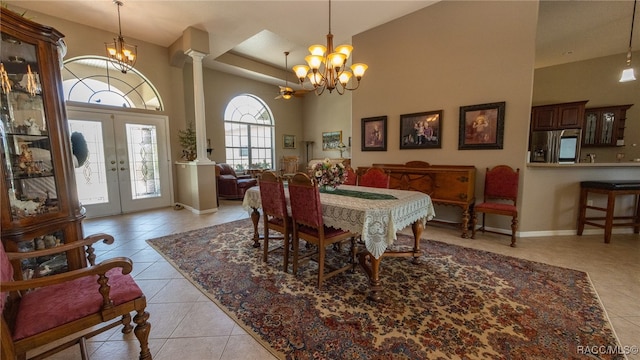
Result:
pixel 377 221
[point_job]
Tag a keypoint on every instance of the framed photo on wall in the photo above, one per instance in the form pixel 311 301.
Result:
pixel 421 130
pixel 288 141
pixel 331 140
pixel 481 126
pixel 374 134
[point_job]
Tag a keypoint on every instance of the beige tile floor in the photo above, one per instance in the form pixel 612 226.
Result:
pixel 187 325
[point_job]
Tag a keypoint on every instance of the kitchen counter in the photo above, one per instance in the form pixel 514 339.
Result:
pixel 586 165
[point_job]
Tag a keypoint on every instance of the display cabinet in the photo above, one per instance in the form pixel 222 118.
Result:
pixel 38 197
pixel 604 126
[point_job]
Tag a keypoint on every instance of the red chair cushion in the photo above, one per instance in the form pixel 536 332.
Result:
pixel 6 274
pixel 496 206
pixel 52 306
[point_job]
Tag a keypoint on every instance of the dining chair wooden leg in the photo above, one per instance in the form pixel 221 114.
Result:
pixel 296 250
pixel 265 243
pixel 285 265
pixel 514 227
pixel 321 255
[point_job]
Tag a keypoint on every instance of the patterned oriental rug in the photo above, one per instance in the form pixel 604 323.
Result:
pixel 457 303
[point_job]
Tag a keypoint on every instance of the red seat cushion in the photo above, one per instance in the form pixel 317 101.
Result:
pixel 52 306
pixel 496 206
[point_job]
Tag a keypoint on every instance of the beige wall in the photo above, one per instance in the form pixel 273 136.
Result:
pixel 448 55
pixel 326 113
pixel 220 88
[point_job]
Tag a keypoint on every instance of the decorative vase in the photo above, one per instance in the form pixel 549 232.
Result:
pixel 327 188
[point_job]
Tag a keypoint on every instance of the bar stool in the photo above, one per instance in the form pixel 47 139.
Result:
pixel 612 189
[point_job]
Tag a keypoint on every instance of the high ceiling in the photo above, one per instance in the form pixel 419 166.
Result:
pixel 262 30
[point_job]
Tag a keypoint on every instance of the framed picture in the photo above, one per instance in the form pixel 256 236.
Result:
pixel 421 130
pixel 288 141
pixel 481 126
pixel 331 140
pixel 374 134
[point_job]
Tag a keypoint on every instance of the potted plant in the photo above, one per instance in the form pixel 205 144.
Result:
pixel 188 142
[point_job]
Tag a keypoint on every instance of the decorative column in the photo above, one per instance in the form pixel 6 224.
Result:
pixel 198 97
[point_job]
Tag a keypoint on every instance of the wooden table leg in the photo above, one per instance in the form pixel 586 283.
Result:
pixel 465 223
pixel 255 217
pixel 371 267
pixel 417 228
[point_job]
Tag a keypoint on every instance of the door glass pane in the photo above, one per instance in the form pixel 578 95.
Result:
pixel 143 161
pixel 91 177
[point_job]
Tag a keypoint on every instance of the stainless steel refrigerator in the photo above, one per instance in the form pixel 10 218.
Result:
pixel 556 146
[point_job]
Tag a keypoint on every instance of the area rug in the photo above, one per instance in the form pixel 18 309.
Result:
pixel 456 303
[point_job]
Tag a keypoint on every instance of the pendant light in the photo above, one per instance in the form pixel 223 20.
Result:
pixel 122 55
pixel 628 74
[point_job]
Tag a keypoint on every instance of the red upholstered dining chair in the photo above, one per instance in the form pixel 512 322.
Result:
pixel 275 214
pixel 352 178
pixel 43 310
pixel 500 183
pixel 306 213
pixel 374 177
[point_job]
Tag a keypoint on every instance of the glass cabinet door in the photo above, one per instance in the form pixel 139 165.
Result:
pixel 606 132
pixel 24 136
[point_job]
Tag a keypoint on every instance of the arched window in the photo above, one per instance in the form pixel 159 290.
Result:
pixel 248 127
pixel 94 80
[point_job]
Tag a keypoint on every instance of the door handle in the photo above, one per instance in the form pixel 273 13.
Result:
pixel 113 162
pixel 122 169
pixel 113 169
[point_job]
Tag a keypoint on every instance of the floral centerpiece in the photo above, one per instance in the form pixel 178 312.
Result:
pixel 328 175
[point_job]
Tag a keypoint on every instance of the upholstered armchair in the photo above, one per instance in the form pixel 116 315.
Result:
pixel 230 185
pixel 67 308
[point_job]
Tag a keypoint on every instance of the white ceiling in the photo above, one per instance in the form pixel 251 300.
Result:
pixel 262 30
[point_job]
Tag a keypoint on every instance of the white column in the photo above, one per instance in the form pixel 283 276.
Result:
pixel 198 97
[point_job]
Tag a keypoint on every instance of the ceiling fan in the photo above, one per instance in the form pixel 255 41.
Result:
pixel 285 91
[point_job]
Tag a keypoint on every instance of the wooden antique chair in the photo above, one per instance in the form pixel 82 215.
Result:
pixel 289 166
pixel 374 177
pixel 43 310
pixel 275 214
pixel 306 213
pixel 501 183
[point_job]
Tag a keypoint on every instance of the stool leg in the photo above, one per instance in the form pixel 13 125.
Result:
pixel 636 220
pixel 583 210
pixel 608 224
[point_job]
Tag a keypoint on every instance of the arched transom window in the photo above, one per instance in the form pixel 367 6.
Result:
pixel 94 80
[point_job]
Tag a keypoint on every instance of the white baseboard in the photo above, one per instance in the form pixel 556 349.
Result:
pixel 196 211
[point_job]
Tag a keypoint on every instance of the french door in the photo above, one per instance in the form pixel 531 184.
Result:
pixel 128 167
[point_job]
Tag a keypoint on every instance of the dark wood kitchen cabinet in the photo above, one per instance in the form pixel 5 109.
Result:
pixel 604 126
pixel 558 116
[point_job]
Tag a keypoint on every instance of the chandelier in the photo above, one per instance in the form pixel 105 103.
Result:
pixel 627 74
pixel 329 72
pixel 122 55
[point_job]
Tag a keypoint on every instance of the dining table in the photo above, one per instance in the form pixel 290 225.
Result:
pixel 373 213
